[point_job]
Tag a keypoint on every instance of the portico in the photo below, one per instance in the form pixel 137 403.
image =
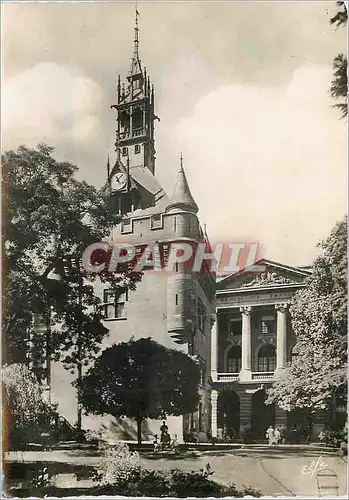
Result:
pixel 251 341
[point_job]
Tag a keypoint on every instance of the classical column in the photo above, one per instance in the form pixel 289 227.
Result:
pixel 214 411
pixel 214 349
pixel 246 373
pixel 281 336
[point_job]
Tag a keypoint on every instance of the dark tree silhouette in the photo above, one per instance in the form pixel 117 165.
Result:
pixel 141 379
pixel 50 218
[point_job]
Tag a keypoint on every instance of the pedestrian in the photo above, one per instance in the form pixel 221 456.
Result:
pixel 164 427
pixel 277 436
pixel 164 431
pixel 283 434
pixel 270 435
pixel 174 443
pixel 156 443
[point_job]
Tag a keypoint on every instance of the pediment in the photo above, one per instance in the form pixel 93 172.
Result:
pixel 273 275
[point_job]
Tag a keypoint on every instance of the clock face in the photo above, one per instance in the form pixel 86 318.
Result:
pixel 118 181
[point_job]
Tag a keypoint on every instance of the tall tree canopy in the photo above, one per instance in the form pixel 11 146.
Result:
pixel 25 411
pixel 319 321
pixel 141 379
pixel 50 218
pixel 339 86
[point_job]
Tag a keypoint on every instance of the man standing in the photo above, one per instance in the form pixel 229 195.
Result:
pixel 164 433
pixel 270 435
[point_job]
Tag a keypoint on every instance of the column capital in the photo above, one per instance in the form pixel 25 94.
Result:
pixel 245 309
pixel 282 306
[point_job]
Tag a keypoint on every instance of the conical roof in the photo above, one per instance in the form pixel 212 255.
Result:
pixel 182 197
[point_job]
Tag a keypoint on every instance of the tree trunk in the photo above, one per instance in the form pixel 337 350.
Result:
pixel 139 430
pixel 79 408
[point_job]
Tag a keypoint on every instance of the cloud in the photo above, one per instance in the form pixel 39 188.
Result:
pixel 268 163
pixel 51 103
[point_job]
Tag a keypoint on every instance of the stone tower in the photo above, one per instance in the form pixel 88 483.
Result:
pixel 135 145
pixel 181 296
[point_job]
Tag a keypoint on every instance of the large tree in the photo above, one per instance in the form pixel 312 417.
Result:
pixel 25 412
pixel 318 372
pixel 50 218
pixel 141 379
pixel 339 86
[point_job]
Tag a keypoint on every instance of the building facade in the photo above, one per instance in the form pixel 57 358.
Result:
pixel 252 342
pixel 175 308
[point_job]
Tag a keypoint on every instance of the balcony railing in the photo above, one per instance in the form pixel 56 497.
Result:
pixel 138 131
pixel 233 377
pixel 262 375
pixel 227 377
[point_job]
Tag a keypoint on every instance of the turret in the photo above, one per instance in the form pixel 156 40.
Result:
pixel 181 286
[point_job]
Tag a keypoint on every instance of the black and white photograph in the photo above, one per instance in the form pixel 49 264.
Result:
pixel 174 249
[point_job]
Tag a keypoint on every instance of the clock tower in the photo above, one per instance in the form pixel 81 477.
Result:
pixel 135 145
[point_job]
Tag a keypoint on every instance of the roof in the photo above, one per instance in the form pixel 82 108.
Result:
pixel 144 177
pixel 182 197
pixel 295 271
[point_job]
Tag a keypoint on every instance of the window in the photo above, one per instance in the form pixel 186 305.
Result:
pixel 114 304
pixel 294 352
pixel 124 151
pixel 137 149
pixel 176 299
pixel 235 326
pixel 234 360
pixel 176 267
pixel 156 221
pixel 201 316
pixel 267 359
pixel 268 325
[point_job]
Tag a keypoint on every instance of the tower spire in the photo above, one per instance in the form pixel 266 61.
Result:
pixel 136 40
pixel 136 68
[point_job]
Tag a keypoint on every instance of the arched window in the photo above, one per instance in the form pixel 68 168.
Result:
pixel 267 359
pixel 234 360
pixel 294 352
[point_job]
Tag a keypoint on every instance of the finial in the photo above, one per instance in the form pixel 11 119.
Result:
pixel 108 168
pixel 119 88
pixel 181 158
pixel 136 40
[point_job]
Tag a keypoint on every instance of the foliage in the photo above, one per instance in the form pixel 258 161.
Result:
pixel 50 218
pixel 141 379
pixel 318 373
pixel 118 465
pixel 339 85
pixel 26 411
pixel 136 481
pixel 334 437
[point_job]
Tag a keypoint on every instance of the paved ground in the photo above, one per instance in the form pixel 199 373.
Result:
pixel 276 471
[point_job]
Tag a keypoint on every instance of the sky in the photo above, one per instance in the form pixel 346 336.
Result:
pixel 241 90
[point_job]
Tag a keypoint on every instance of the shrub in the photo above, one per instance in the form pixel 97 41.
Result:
pixel 27 413
pixel 118 465
pixel 337 438
pixel 174 483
